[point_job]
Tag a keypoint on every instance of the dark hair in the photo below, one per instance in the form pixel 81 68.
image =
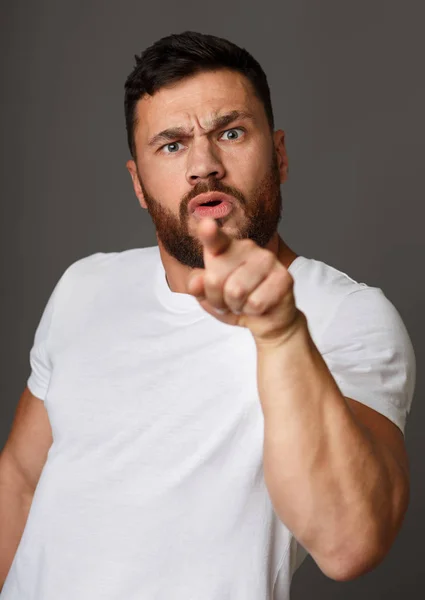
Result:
pixel 179 55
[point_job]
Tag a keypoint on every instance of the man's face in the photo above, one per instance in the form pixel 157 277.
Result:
pixel 220 142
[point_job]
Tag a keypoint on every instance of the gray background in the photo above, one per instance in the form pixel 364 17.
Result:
pixel 346 87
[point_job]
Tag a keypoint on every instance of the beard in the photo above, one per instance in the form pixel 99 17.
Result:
pixel 262 213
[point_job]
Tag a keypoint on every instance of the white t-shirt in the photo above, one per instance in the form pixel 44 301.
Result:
pixel 153 487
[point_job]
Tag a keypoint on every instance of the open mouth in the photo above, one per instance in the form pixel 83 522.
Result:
pixel 216 209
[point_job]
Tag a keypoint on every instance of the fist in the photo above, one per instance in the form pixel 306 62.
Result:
pixel 243 284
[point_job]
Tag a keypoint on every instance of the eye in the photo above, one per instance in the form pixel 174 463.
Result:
pixel 170 148
pixel 232 133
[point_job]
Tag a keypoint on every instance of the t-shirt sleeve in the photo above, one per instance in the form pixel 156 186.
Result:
pixel 369 352
pixel 39 357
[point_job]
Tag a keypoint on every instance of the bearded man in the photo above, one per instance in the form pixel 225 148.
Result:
pixel 204 413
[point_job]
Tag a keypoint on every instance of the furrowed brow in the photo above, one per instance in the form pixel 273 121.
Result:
pixel 170 134
pixel 224 120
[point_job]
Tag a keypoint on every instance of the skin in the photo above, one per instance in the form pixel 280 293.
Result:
pixel 250 165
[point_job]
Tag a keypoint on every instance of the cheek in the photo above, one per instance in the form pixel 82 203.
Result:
pixel 248 168
pixel 163 181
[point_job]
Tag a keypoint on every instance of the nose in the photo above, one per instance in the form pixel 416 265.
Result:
pixel 203 162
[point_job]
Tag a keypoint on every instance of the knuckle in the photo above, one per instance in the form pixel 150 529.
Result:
pixel 266 258
pixel 288 279
pixel 212 280
pixel 235 290
pixel 284 276
pixel 256 303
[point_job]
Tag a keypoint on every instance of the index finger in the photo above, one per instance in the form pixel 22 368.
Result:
pixel 212 237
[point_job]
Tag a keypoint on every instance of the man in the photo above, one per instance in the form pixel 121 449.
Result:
pixel 206 412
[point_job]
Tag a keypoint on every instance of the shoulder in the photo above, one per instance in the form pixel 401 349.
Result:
pixel 105 263
pixel 361 336
pixel 103 268
pixel 334 303
pixel 320 288
pixel 102 275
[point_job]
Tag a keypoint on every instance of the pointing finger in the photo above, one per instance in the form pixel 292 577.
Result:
pixel 212 237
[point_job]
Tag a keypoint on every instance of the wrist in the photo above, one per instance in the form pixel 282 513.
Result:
pixel 298 328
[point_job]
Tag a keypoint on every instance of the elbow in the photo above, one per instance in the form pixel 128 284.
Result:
pixel 348 570
pixel 349 563
pixel 356 555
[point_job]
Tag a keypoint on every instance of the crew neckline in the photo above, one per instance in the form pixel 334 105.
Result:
pixel 184 303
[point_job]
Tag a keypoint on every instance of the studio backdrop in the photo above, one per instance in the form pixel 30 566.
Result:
pixel 347 88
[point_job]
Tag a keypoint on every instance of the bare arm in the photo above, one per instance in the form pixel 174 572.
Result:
pixel 21 463
pixel 336 470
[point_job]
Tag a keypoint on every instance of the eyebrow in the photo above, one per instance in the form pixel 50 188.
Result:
pixel 172 133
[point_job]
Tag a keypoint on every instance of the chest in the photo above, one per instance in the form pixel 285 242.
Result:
pixel 150 381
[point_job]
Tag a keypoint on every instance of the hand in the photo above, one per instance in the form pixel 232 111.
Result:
pixel 247 283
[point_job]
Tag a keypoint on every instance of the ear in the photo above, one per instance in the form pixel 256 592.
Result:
pixel 132 169
pixel 282 157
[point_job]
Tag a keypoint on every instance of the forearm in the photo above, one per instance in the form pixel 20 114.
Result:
pixel 329 482
pixel 14 508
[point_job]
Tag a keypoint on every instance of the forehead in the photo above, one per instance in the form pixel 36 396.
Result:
pixel 196 99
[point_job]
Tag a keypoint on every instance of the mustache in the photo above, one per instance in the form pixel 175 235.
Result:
pixel 211 185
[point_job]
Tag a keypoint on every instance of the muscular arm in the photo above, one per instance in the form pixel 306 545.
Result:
pixel 336 472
